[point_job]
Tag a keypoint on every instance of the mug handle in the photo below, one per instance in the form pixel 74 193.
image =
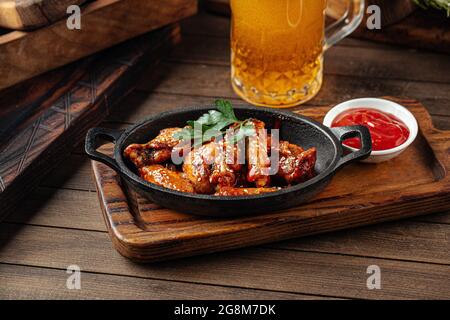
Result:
pixel 343 133
pixel 345 25
pixel 92 143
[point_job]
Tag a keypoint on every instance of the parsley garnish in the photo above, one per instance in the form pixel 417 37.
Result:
pixel 214 124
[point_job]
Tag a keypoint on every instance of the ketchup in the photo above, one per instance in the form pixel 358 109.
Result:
pixel 387 130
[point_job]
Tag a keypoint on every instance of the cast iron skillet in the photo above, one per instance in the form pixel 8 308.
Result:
pixel 294 128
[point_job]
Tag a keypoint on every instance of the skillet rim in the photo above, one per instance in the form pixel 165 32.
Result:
pixel 145 185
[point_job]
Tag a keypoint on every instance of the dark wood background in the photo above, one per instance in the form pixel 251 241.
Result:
pixel 61 222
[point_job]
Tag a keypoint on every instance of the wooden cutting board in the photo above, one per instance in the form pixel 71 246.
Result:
pixel 81 96
pixel 415 183
pixel 104 23
pixel 21 15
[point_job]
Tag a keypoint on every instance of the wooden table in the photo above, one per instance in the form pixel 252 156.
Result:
pixel 61 224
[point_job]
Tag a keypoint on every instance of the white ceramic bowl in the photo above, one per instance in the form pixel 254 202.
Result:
pixel 383 105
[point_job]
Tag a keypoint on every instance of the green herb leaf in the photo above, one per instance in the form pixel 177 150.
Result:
pixel 226 108
pixel 184 134
pixel 222 124
pixel 210 118
pixel 213 124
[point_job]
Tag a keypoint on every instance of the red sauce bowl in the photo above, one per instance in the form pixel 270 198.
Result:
pixel 393 127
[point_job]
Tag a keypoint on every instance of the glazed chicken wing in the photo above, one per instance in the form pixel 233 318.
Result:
pixel 158 150
pixel 166 177
pixel 141 156
pixel 197 167
pixel 296 165
pixel 229 161
pixel 232 191
pixel 222 174
pixel 257 156
pixel 165 139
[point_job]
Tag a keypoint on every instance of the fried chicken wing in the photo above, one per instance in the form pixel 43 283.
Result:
pixel 197 167
pixel 232 191
pixel 295 164
pixel 166 177
pixel 229 160
pixel 165 139
pixel 158 150
pixel 141 156
pixel 235 151
pixel 221 174
pixel 257 156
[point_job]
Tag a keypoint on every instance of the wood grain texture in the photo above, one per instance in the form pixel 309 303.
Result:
pixel 104 24
pixel 423 30
pixel 39 145
pixel 359 195
pixel 415 241
pixel 392 11
pixel 23 103
pixel 21 15
pixel 21 282
pixel 184 79
pixel 328 275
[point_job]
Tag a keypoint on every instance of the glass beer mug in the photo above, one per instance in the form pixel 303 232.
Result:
pixel 277 48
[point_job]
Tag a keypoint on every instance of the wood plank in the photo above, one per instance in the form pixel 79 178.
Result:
pixel 141 105
pixel 22 282
pixel 364 62
pixel 393 11
pixel 214 81
pixel 423 29
pixel 441 122
pixel 207 25
pixel 283 270
pixel 21 15
pixel 443 217
pixel 61 208
pixel 73 173
pixel 406 240
pixel 104 24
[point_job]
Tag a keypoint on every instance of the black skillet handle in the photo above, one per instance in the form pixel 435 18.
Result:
pixel 343 133
pixel 92 143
